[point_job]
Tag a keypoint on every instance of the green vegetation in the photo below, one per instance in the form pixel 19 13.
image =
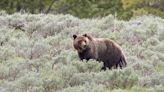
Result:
pixel 36 54
pixel 123 9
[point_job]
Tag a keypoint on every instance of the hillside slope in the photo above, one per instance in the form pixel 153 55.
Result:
pixel 36 54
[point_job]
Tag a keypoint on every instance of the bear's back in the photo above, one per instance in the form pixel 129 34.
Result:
pixel 108 51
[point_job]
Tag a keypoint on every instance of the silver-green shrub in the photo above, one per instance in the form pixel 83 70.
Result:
pixel 37 55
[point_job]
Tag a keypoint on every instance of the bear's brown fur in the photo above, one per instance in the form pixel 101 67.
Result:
pixel 100 49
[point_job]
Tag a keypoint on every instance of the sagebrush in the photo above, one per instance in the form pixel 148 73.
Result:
pixel 37 55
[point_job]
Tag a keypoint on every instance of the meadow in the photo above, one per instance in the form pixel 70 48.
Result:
pixel 37 55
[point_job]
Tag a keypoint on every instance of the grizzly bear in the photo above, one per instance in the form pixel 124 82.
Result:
pixel 100 49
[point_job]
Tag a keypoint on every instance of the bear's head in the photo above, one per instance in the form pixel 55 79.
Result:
pixel 81 42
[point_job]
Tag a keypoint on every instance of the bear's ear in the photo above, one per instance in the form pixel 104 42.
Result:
pixel 74 36
pixel 85 35
pixel 88 36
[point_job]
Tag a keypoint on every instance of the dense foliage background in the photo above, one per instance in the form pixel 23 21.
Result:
pixel 36 54
pixel 123 9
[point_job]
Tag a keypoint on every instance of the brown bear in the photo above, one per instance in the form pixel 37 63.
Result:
pixel 100 49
